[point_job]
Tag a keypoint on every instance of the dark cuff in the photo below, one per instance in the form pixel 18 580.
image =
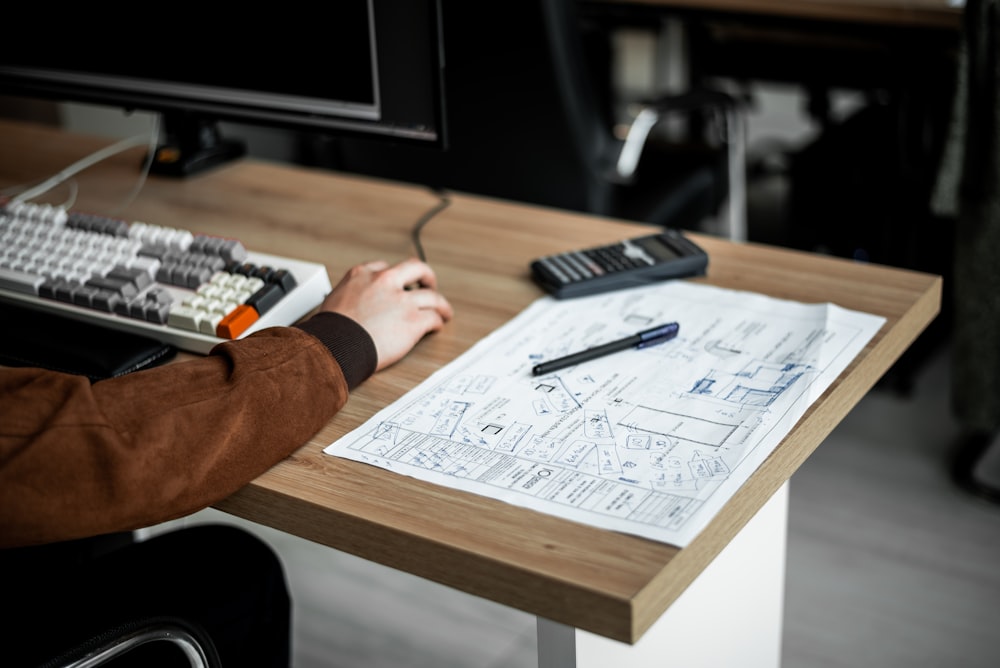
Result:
pixel 350 344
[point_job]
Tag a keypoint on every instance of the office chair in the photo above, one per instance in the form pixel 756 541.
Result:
pixel 529 117
pixel 147 640
pixel 193 644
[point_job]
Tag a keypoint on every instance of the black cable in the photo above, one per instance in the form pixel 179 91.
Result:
pixel 443 204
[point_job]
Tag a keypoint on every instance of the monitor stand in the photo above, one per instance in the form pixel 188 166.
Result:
pixel 192 145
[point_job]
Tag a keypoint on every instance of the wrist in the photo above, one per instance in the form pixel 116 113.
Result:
pixel 350 344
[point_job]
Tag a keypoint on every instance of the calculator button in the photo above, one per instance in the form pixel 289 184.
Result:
pixel 552 270
pixel 582 265
pixel 566 268
pixel 591 267
pixel 637 254
pixel 609 258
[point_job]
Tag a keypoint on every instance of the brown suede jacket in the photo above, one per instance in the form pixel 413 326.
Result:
pixel 80 459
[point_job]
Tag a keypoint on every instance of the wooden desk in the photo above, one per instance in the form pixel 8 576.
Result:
pixel 571 576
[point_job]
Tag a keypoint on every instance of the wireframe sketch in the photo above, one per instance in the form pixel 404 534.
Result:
pixel 649 441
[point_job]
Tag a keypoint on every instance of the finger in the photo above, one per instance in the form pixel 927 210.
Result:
pixel 376 265
pixel 429 300
pixel 430 320
pixel 413 271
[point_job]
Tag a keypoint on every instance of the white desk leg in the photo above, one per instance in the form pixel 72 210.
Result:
pixel 731 615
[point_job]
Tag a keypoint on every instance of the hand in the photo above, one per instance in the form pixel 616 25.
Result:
pixel 375 295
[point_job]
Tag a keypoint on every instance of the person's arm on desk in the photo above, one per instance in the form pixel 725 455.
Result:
pixel 78 459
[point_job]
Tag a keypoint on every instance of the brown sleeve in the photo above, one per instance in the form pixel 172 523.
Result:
pixel 78 459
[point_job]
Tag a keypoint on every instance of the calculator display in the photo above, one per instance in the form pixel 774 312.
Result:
pixel 657 248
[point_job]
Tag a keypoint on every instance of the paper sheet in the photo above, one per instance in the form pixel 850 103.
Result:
pixel 650 442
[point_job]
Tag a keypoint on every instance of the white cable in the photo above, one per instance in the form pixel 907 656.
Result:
pixel 74 189
pixel 154 137
pixel 84 163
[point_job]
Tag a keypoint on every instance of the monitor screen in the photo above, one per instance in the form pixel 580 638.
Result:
pixel 358 67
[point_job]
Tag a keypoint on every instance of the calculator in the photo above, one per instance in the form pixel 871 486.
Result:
pixel 629 263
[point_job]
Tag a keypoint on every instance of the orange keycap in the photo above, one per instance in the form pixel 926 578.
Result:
pixel 236 322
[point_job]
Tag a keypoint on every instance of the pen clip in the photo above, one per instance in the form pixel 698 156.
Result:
pixel 656 335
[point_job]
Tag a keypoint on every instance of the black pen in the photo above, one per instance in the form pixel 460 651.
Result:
pixel 644 339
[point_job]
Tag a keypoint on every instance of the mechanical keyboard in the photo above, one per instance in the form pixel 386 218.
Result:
pixel 186 289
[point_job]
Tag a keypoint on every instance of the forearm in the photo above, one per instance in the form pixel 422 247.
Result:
pixel 78 459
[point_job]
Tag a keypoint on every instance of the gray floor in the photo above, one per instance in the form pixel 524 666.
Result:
pixel 889 564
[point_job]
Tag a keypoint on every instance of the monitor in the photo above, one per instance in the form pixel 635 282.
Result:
pixel 370 68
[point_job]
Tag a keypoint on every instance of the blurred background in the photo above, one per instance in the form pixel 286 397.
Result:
pixel 891 561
